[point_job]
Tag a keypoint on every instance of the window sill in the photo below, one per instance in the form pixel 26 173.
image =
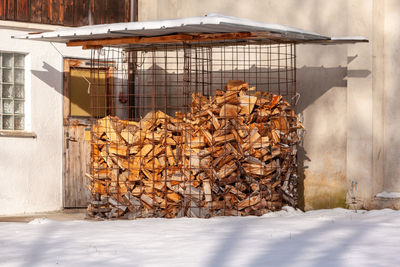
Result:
pixel 21 134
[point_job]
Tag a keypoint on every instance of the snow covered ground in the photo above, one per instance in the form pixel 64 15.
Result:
pixel 288 238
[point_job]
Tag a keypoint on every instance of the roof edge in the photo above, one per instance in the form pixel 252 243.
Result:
pixel 185 29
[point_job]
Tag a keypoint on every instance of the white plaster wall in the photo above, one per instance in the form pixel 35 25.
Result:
pixel 349 101
pixel 322 81
pixel 359 94
pixel 31 169
pixel 392 96
pixel 349 92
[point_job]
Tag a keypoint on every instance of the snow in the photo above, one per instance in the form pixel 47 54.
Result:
pixel 335 237
pixel 40 221
pixel 349 38
pixel 210 23
pixel 385 194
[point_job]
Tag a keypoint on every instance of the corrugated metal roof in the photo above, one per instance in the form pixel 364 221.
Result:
pixel 212 23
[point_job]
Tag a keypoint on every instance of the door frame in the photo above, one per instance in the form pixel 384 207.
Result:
pixel 68 64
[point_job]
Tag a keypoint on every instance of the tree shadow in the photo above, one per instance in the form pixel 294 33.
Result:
pixel 314 245
pixel 56 243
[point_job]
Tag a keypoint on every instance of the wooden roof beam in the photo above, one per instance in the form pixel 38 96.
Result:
pixel 175 38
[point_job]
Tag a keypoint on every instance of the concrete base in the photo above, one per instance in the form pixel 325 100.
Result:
pixel 385 203
pixel 62 215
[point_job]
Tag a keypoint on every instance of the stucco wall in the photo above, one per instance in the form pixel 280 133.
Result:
pixel 391 96
pixel 31 169
pixel 348 92
pixel 348 102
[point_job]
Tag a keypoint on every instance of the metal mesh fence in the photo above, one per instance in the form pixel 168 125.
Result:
pixel 193 130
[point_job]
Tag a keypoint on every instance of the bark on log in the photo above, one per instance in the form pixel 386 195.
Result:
pixel 234 154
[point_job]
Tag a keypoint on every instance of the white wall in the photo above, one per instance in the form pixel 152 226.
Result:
pixel 392 96
pixel 349 93
pixel 31 169
pixel 321 81
pixel 349 101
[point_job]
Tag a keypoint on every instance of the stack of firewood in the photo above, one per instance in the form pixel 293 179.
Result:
pixel 232 154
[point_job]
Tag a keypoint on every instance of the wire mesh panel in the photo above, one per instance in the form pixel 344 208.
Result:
pixel 269 67
pixel 194 130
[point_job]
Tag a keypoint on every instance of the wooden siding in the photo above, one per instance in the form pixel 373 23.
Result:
pixel 66 12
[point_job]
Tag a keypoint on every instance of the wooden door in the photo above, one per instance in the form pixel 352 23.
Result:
pixel 76 162
pixel 77 121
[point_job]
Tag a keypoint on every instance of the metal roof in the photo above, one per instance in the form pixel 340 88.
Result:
pixel 210 24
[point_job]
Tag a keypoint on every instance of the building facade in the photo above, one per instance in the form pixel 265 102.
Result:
pixel 32 127
pixel 347 93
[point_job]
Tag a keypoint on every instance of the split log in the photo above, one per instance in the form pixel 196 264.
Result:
pixel 233 154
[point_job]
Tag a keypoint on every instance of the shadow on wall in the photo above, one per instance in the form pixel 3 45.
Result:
pixel 154 83
pixel 48 76
pixel 312 83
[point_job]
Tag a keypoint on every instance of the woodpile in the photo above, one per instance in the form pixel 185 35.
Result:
pixel 232 154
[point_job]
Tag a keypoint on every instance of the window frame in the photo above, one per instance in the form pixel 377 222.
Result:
pixel 26 131
pixel 84 63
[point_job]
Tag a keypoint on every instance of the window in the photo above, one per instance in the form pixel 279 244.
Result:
pixel 12 91
pixel 79 93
